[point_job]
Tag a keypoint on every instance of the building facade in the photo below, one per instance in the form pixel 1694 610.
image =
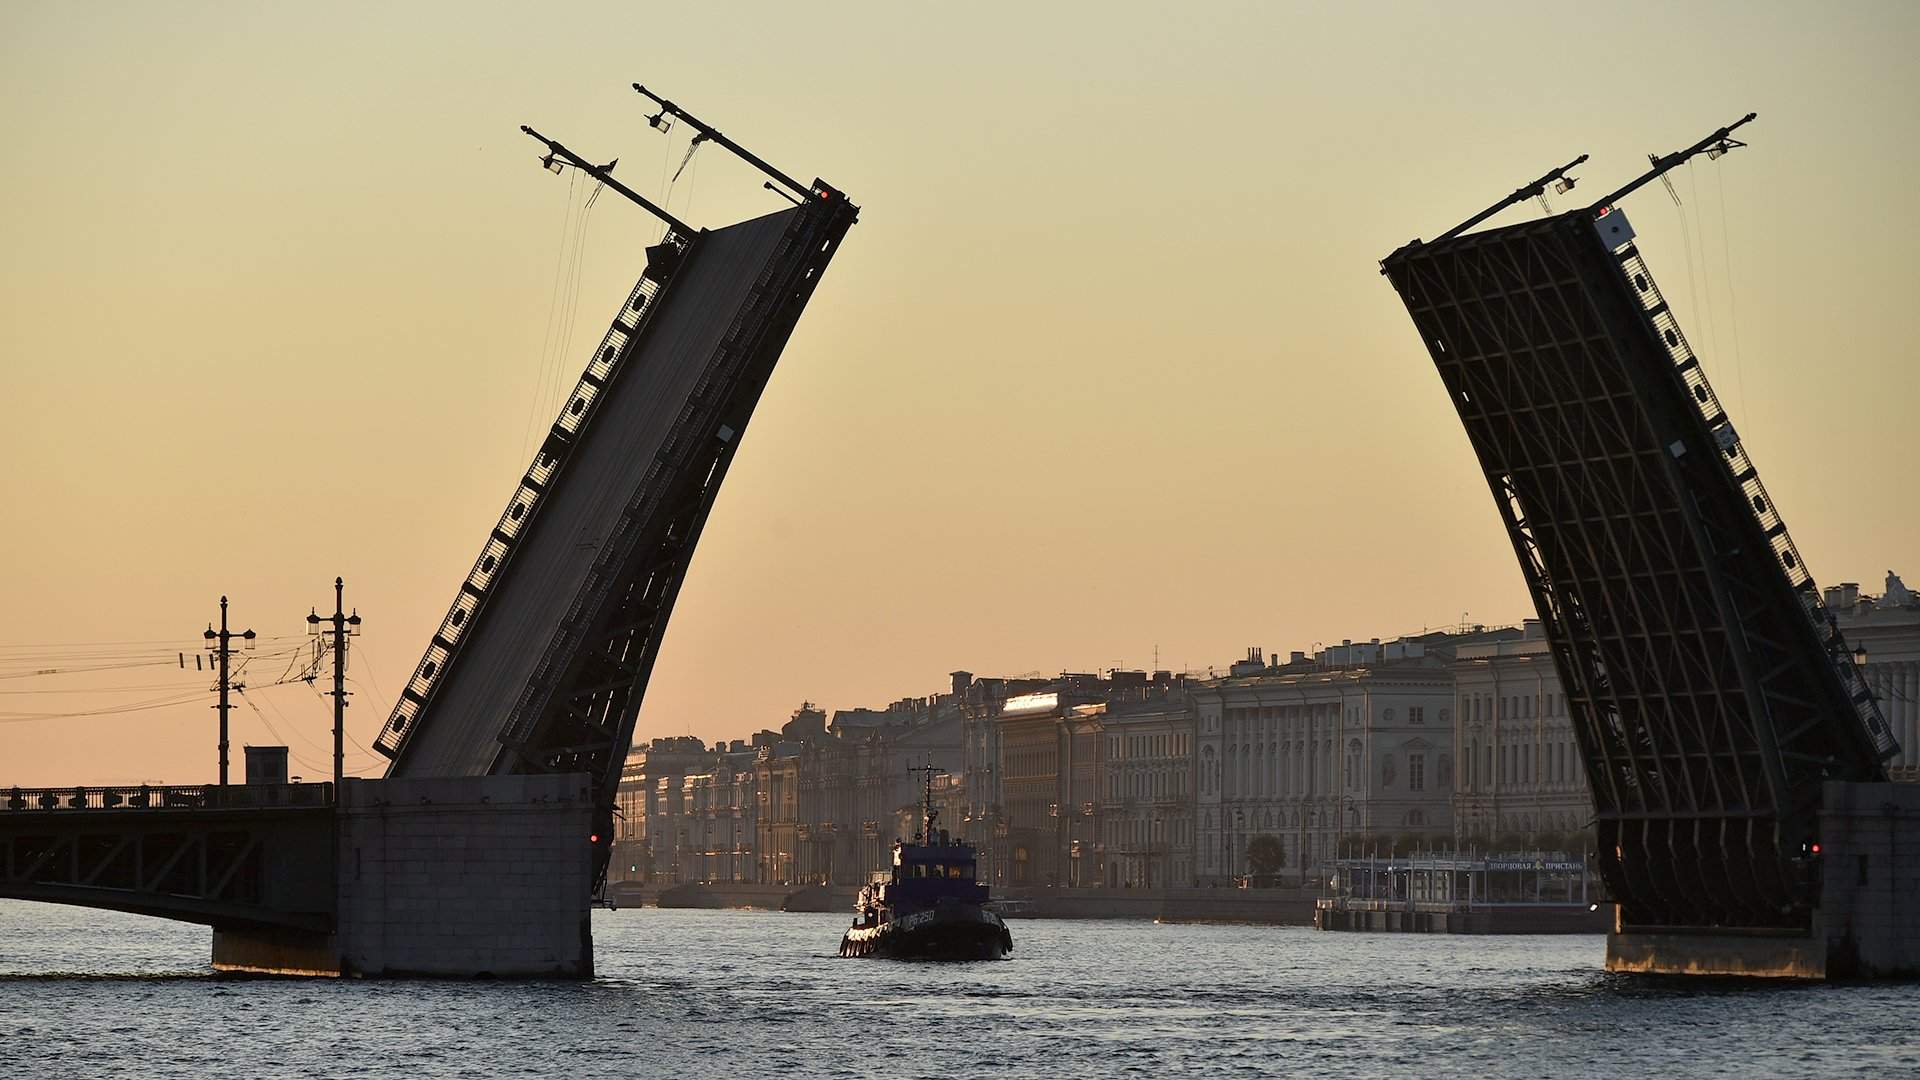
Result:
pixel 1887 627
pixel 1350 746
pixel 649 834
pixel 1459 738
pixel 1146 800
pixel 1520 783
pixel 721 808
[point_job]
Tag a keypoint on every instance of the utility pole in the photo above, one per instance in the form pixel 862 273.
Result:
pixel 342 626
pixel 221 645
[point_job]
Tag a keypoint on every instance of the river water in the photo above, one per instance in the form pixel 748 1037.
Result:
pixel 742 994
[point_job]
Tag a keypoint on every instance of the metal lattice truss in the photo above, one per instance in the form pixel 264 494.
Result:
pixel 1710 693
pixel 180 853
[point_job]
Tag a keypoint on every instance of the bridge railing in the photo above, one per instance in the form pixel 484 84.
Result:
pixel 1733 455
pixel 164 797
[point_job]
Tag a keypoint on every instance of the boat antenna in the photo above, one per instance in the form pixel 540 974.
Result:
pixel 927 813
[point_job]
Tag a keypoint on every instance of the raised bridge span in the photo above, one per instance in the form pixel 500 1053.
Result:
pixel 480 850
pixel 1713 699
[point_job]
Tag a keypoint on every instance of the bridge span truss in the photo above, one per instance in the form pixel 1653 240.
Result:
pixel 247 856
pixel 1711 693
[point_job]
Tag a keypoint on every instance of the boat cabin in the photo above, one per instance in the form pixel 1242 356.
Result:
pixel 923 875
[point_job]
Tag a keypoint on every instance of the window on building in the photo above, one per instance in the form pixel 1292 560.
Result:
pixel 1416 772
pixel 1417 714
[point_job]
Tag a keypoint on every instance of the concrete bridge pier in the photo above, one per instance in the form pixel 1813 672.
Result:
pixel 458 877
pixel 1868 922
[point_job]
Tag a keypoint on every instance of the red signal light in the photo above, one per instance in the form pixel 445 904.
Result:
pixel 594 839
pixel 1816 849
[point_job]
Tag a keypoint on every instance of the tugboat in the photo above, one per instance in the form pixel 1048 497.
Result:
pixel 930 907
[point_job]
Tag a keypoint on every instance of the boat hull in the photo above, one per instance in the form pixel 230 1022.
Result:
pixel 947 932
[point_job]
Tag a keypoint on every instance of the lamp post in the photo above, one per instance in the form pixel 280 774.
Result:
pixel 222 645
pixel 341 626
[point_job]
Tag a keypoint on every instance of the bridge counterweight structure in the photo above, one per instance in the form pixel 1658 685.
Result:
pixel 542 661
pixel 1710 692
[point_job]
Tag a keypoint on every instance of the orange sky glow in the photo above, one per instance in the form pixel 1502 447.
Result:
pixel 1106 369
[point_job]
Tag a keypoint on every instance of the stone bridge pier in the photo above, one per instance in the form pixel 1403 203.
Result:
pixel 457 877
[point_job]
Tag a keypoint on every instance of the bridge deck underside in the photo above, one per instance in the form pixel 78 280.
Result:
pixel 1701 699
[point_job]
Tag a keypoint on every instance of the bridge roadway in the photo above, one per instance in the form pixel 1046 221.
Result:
pixel 256 856
pixel 558 549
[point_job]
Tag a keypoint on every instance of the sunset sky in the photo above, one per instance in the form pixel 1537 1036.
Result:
pixel 1106 367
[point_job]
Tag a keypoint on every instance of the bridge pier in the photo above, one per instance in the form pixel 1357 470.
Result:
pixel 1868 922
pixel 459 877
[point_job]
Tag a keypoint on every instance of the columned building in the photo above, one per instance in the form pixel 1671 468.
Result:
pixel 1146 802
pixel 1520 783
pixel 647 835
pixel 1353 745
pixel 722 810
pixel 1033 765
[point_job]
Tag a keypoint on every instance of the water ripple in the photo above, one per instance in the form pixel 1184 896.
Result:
pixel 729 994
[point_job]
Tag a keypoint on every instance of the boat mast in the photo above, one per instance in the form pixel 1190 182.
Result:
pixel 927 812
